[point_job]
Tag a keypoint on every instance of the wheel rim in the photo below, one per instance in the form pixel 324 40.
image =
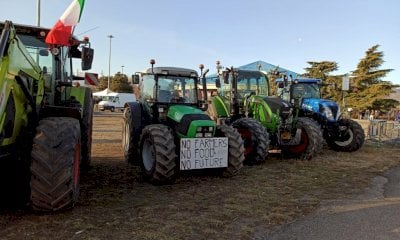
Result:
pixel 350 135
pixel 302 146
pixel 76 164
pixel 148 155
pixel 248 142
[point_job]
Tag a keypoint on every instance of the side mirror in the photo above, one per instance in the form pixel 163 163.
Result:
pixel 218 82
pixel 87 58
pixel 135 79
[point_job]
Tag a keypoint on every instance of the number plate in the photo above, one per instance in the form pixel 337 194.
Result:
pixel 199 153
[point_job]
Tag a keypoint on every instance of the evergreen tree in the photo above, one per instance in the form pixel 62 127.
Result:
pixel 322 70
pixel 368 90
pixel 103 83
pixel 368 72
pixel 121 84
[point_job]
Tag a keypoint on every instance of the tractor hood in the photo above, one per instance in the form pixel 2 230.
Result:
pixel 325 108
pixel 190 122
pixel 279 106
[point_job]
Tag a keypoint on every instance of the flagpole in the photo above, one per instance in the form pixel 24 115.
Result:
pixel 38 13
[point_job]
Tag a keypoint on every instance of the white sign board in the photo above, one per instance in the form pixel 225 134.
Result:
pixel 199 153
pixel 345 83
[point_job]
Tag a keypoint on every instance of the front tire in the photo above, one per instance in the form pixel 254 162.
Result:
pixel 235 149
pixel 157 151
pixel 310 140
pixel 55 165
pixel 351 137
pixel 130 143
pixel 255 138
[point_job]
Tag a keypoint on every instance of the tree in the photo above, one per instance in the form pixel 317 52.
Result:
pixel 367 72
pixel 103 83
pixel 273 74
pixel 368 90
pixel 322 70
pixel 121 84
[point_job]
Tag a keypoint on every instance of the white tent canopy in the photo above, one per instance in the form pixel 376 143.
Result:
pixel 105 92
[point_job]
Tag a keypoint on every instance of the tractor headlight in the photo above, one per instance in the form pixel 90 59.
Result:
pixel 204 131
pixel 209 134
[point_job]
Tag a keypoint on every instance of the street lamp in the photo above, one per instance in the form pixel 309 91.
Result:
pixel 122 68
pixel 38 13
pixel 109 62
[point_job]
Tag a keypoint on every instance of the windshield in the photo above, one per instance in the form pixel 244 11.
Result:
pixel 305 90
pixel 252 83
pixel 39 52
pixel 173 89
pixel 247 83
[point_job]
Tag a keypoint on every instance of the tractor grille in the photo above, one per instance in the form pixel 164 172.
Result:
pixel 183 126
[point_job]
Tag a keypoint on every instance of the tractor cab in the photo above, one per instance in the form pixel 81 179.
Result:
pixel 164 88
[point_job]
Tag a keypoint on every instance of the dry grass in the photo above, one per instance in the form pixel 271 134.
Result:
pixel 116 204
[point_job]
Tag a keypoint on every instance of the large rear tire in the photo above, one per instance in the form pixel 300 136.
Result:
pixel 351 137
pixel 255 138
pixel 235 149
pixel 86 129
pixel 310 140
pixel 157 151
pixel 55 166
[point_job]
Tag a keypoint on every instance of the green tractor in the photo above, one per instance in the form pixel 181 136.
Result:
pixel 226 108
pixel 45 121
pixel 166 130
pixel 244 94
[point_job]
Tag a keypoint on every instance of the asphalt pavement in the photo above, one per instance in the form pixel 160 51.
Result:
pixel 373 215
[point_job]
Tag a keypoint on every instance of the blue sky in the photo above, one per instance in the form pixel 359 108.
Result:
pixel 185 33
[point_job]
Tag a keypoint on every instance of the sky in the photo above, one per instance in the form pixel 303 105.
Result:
pixel 184 33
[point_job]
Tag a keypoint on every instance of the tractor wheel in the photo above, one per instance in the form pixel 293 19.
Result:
pixel 129 142
pixel 55 166
pixel 235 149
pixel 86 129
pixel 351 137
pixel 310 140
pixel 255 138
pixel 157 151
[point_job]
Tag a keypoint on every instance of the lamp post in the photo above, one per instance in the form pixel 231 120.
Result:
pixel 109 62
pixel 38 13
pixel 122 69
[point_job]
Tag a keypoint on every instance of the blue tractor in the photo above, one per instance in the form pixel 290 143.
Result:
pixel 340 134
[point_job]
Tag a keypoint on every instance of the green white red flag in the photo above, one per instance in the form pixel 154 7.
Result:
pixel 61 33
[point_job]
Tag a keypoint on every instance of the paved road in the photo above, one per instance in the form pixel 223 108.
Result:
pixel 373 215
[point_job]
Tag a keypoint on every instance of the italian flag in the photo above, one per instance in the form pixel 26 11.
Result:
pixel 62 31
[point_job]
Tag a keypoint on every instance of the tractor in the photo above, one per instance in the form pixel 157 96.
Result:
pixel 340 134
pixel 244 94
pixel 166 130
pixel 226 108
pixel 45 120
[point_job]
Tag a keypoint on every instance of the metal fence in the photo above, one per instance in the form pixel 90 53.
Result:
pixel 383 130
